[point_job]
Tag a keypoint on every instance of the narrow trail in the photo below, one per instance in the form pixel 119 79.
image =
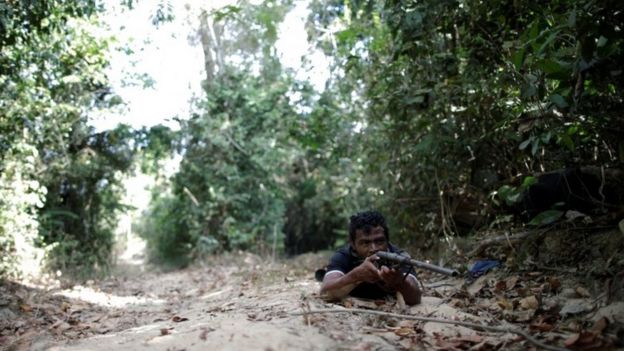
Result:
pixel 242 302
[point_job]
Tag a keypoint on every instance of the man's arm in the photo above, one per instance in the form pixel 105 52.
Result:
pixel 337 285
pixel 395 281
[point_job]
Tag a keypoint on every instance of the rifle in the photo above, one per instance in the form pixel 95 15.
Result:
pixel 396 261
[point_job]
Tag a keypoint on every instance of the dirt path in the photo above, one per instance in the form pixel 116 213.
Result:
pixel 243 303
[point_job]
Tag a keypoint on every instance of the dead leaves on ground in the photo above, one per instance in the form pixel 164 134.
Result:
pixel 28 309
pixel 542 305
pixel 538 302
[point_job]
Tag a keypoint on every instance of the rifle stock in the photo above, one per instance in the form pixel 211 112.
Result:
pixel 389 256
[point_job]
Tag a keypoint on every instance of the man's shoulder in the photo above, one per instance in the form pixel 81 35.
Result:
pixel 343 258
pixel 343 252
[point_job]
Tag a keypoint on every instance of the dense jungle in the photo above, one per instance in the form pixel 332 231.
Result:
pixel 490 134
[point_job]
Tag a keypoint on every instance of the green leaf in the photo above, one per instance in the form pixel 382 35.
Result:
pixel 347 36
pixel 528 181
pixel 535 146
pixel 601 41
pixel 546 217
pixel 517 58
pixel 566 140
pixel 546 138
pixel 572 19
pixel 559 101
pixel 529 90
pixel 549 40
pixel 524 144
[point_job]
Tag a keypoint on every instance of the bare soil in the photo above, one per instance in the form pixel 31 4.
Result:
pixel 244 302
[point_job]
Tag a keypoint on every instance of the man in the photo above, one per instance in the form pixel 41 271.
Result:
pixel 352 270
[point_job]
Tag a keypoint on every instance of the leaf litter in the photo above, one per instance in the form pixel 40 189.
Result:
pixel 247 303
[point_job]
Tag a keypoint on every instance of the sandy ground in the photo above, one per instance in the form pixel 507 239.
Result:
pixel 242 302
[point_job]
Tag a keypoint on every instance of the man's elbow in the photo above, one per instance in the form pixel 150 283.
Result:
pixel 413 302
pixel 332 295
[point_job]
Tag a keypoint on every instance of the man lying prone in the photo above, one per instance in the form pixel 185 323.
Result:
pixel 352 269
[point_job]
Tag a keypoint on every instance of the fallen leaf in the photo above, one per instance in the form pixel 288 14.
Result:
pixel 600 325
pixel 613 312
pixel 541 326
pixel 477 285
pixel 165 331
pixel 471 338
pixel 500 286
pixel 529 303
pixel 555 284
pixel 504 304
pixel 404 331
pixel 581 340
pixel 407 324
pixel 511 282
pixel 26 307
pixel 522 316
pixel 179 319
pixel 582 292
pixel 573 308
pixel 63 326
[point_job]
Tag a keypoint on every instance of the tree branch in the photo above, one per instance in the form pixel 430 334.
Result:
pixel 436 320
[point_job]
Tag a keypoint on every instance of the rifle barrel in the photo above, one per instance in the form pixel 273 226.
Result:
pixel 424 265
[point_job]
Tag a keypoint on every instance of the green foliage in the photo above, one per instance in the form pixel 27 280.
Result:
pixel 78 220
pixel 59 180
pixel 162 227
pixel 156 145
pixel 454 90
pixel 546 217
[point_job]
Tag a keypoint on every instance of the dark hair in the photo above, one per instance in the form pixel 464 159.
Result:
pixel 366 221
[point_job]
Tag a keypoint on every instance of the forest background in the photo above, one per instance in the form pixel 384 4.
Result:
pixel 441 114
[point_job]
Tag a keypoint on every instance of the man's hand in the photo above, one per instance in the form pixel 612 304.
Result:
pixel 368 271
pixel 337 285
pixel 392 278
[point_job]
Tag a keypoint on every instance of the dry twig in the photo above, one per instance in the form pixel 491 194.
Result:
pixel 437 320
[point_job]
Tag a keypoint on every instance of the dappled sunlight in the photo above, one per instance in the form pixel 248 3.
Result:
pixel 215 294
pixel 107 300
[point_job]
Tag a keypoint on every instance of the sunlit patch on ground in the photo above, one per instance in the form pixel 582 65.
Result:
pixel 87 294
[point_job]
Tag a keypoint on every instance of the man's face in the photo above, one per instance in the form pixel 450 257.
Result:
pixel 367 243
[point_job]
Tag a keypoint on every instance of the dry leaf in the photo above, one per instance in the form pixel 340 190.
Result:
pixel 529 303
pixel 582 292
pixel 407 324
pixel 511 282
pixel 477 285
pixel 165 331
pixel 504 304
pixel 523 316
pixel 474 338
pixel 179 319
pixel 500 286
pixel 582 340
pixel 554 282
pixel 63 326
pixel 541 326
pixel 600 325
pixel 65 306
pixel 26 307
pixel 404 331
